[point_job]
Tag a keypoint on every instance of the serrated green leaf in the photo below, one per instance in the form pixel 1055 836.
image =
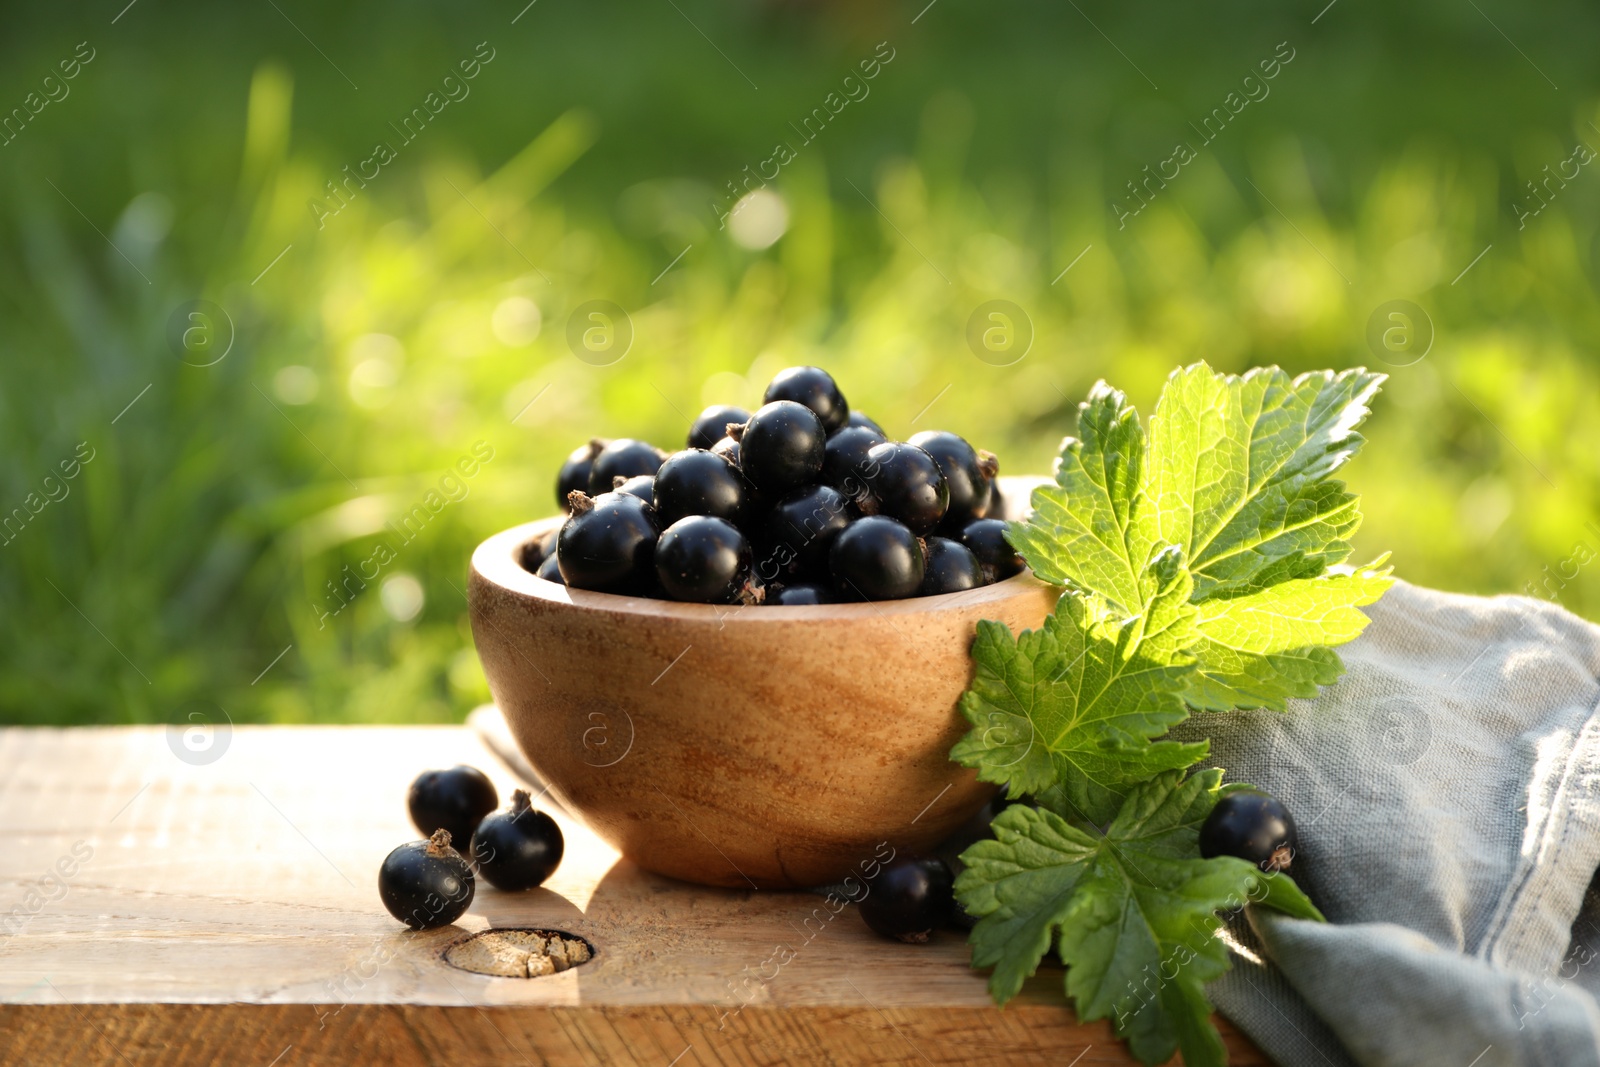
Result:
pixel 1131 912
pixel 1238 472
pixel 1194 560
pixel 1258 650
pixel 1088 531
pixel 1280 893
pixel 1077 702
pixel 1235 471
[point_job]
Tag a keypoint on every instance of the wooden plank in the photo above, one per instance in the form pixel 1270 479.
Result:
pixel 227 911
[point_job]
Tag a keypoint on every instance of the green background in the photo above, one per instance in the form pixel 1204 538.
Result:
pixel 1387 158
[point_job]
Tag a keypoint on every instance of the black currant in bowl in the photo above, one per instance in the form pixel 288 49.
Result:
pixel 455 800
pixel 574 473
pixel 728 449
pixel 698 482
pixel 1253 826
pixel 816 389
pixel 844 459
pixel 905 483
pixel 950 567
pixel 781 446
pixel 517 848
pixel 426 884
pixel 876 558
pixel 800 594
pixel 537 551
pixel 788 480
pixel 625 457
pixel 858 419
pixel 550 570
pixel 911 897
pixel 712 424
pixel 986 539
pixel 642 486
pixel 807 520
pixel 704 559
pixel 608 544
pixel 968 473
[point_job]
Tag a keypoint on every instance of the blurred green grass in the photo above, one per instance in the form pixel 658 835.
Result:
pixel 199 542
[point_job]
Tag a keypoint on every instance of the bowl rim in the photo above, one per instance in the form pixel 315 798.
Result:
pixel 497 562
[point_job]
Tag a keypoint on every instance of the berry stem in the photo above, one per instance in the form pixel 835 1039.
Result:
pixel 439 843
pixel 579 502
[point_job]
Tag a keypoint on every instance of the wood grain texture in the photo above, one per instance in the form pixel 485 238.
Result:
pixel 765 746
pixel 228 913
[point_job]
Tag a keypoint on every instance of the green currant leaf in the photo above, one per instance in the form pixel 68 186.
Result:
pixel 1131 911
pixel 1258 650
pixel 1239 473
pixel 1194 560
pixel 1090 531
pixel 1077 702
pixel 1235 471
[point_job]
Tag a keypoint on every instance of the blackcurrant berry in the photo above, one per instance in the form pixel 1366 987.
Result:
pixel 774 561
pixel 858 419
pixel 729 450
pixel 426 884
pixel 712 425
pixel 910 898
pixel 950 568
pixel 807 520
pixel 801 594
pixel 844 459
pixel 780 447
pixel 905 483
pixel 642 486
pixel 517 848
pixel 703 559
pixel 813 387
pixel 698 482
pixel 626 457
pixel 1253 826
pixel 550 570
pixel 609 544
pixel 876 558
pixel 533 554
pixel 986 538
pixel 453 800
pixel 575 471
pixel 969 474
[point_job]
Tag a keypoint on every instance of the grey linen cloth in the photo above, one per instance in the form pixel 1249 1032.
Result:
pixel 1447 793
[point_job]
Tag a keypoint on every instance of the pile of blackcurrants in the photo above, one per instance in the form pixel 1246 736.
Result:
pixel 802 502
pixel 428 883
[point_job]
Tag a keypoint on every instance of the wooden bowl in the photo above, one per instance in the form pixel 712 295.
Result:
pixel 765 747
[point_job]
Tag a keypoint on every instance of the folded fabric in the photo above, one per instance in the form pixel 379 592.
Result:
pixel 1447 792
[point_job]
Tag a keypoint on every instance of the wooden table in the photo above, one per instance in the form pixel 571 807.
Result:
pixel 227 912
